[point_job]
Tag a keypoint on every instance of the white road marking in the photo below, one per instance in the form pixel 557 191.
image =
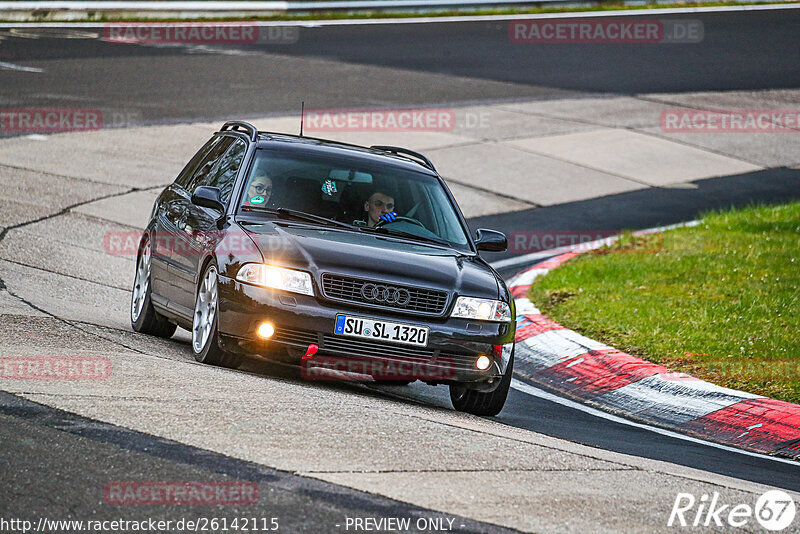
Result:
pixel 12 66
pixel 536 392
pixel 51 33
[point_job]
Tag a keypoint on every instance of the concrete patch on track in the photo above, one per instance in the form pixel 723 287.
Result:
pixel 535 178
pixel 30 195
pixel 642 158
pixel 479 202
pixel 106 156
pixel 512 121
pixel 609 111
pixel 131 209
pixel 764 149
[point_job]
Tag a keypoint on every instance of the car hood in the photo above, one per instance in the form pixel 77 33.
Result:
pixel 379 257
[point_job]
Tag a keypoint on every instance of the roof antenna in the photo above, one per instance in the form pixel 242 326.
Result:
pixel 302 113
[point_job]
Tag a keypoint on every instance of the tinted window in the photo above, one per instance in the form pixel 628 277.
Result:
pixel 190 168
pixel 207 165
pixel 224 175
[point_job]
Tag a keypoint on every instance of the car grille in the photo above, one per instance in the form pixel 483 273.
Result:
pixel 335 345
pixel 357 347
pixel 291 336
pixel 420 300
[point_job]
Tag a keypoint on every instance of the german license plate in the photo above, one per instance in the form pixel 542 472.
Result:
pixel 349 325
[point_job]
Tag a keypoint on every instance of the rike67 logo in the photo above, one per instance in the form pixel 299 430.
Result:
pixel 774 511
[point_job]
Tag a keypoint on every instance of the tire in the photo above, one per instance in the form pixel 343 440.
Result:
pixel 482 403
pixel 144 318
pixel 205 336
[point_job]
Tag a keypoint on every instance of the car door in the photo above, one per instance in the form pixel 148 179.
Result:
pixel 177 200
pixel 199 232
pixel 166 217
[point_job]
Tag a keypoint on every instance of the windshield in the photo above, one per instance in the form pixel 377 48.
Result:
pixel 384 198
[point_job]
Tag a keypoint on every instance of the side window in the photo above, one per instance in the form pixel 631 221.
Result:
pixel 190 168
pixel 224 175
pixel 207 165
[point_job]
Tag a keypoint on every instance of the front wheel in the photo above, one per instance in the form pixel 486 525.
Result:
pixel 205 337
pixel 144 318
pixel 482 403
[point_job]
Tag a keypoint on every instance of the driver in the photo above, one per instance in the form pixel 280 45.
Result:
pixel 379 207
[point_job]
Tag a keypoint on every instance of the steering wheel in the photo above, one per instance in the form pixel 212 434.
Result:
pixel 399 218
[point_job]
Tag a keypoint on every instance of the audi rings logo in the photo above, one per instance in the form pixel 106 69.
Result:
pixel 385 294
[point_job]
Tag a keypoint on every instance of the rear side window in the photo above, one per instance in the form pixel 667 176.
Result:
pixel 224 175
pixel 201 175
pixel 188 171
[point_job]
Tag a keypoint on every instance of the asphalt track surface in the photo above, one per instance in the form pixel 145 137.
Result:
pixel 389 65
pixel 443 63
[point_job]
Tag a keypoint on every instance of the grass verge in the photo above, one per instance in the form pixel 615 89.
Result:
pixel 720 301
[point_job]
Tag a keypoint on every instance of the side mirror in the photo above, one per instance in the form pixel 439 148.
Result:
pixel 208 197
pixel 491 240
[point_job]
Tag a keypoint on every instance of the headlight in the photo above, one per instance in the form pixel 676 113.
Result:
pixel 276 277
pixel 481 309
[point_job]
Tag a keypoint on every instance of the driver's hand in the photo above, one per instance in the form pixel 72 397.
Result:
pixel 389 217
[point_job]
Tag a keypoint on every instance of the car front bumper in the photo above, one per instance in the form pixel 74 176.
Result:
pixel 450 354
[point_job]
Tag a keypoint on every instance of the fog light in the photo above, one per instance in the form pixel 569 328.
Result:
pixel 483 362
pixel 265 330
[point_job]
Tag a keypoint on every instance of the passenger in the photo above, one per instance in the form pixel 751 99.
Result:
pixel 260 190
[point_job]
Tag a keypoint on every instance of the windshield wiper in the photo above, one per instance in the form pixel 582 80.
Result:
pixel 303 216
pixel 400 233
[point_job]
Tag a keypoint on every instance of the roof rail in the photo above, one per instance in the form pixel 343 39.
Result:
pixel 406 152
pixel 239 126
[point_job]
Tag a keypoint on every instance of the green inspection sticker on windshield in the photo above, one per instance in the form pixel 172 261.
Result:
pixel 257 200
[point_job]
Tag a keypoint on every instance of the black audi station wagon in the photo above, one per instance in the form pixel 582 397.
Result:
pixel 347 260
